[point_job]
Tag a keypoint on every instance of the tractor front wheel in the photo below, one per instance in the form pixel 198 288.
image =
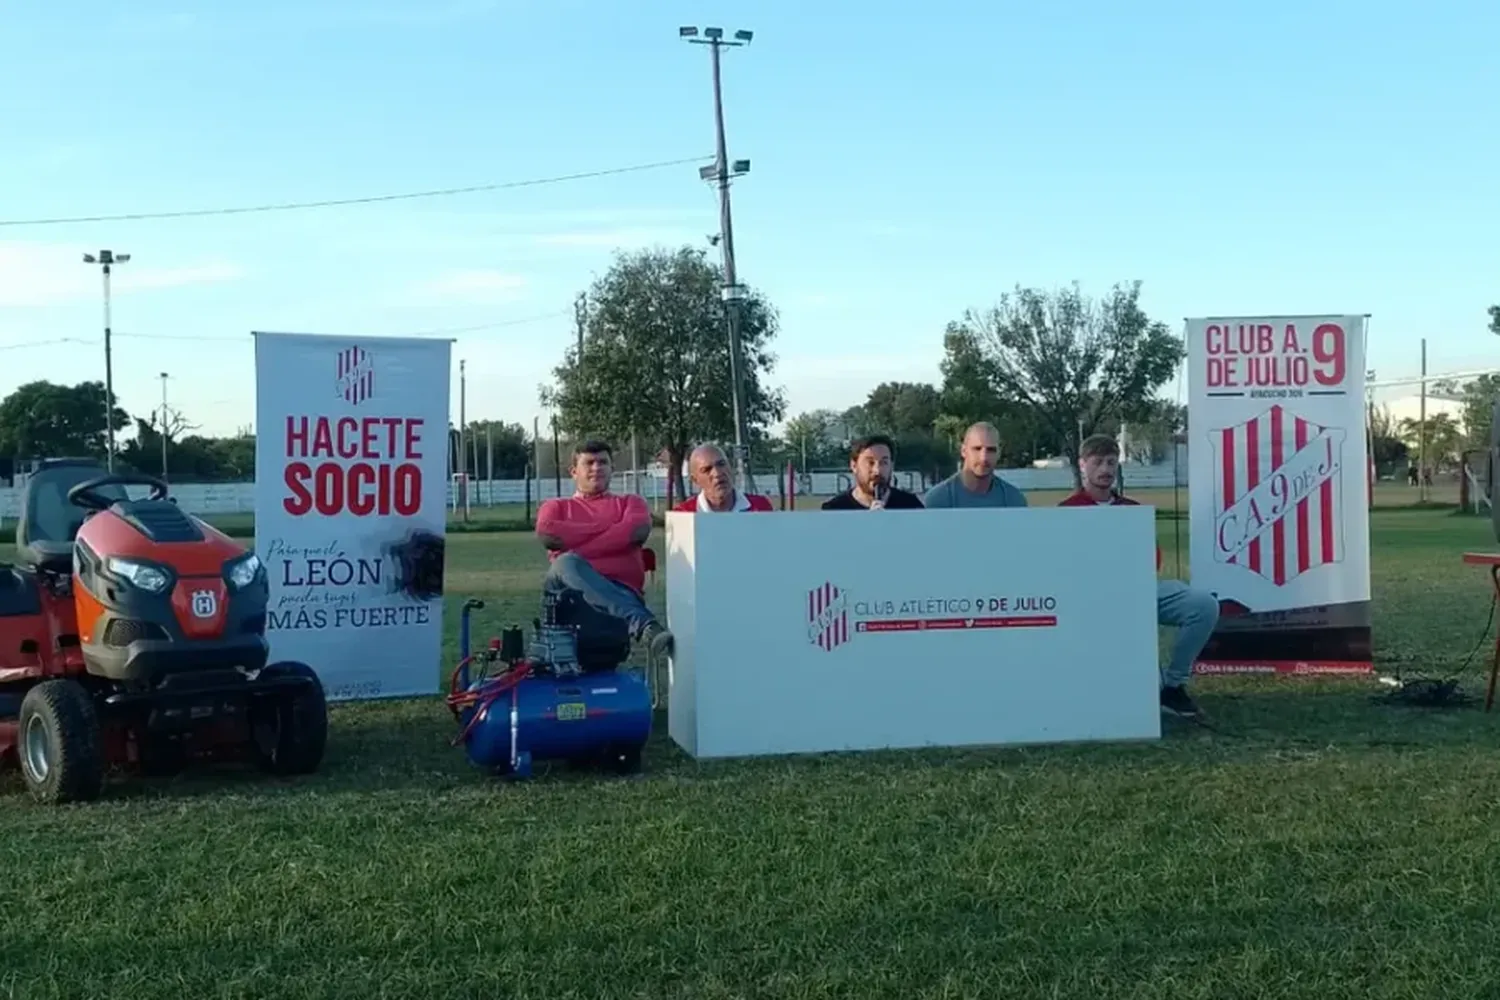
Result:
pixel 59 747
pixel 291 733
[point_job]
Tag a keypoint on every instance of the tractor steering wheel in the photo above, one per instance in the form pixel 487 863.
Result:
pixel 86 494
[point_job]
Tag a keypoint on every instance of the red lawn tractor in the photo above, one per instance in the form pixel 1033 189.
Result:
pixel 133 634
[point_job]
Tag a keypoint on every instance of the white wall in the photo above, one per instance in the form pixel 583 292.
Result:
pixel 232 498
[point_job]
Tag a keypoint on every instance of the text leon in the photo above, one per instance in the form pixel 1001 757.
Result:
pixel 1257 355
pixel 363 466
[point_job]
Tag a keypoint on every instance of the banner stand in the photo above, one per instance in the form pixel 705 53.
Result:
pixel 351 470
pixel 1278 491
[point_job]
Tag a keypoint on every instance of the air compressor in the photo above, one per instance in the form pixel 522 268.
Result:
pixel 516 705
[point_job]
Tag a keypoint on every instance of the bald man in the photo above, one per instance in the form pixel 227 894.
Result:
pixel 709 469
pixel 975 483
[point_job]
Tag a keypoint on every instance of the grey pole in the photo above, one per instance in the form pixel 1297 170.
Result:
pixel 732 293
pixel 106 259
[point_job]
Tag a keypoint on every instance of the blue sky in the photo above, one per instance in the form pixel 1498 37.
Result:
pixel 909 162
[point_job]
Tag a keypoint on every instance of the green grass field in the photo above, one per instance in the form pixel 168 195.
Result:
pixel 1312 843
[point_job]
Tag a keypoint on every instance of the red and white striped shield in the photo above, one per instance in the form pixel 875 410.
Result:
pixel 1278 502
pixel 356 376
pixel 827 617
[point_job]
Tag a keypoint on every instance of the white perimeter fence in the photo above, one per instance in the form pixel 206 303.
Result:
pixel 239 498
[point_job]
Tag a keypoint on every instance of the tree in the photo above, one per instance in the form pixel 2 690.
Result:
pixel 46 420
pixel 655 358
pixel 904 408
pixel 1385 439
pixel 494 444
pixel 1495 319
pixel 969 396
pixel 811 438
pixel 1152 428
pixel 1443 438
pixel 1072 361
pixel 1478 397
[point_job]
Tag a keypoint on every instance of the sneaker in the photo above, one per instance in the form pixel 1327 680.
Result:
pixel 1176 701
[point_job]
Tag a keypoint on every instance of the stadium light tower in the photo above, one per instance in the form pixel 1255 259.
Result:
pixel 107 259
pixel 732 292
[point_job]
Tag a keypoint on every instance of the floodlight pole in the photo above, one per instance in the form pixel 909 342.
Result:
pixel 106 259
pixel 732 292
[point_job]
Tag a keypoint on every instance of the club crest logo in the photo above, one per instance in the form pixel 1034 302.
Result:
pixel 827 617
pixel 355 380
pixel 1278 497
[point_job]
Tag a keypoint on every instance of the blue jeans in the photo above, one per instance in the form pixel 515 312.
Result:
pixel 1194 613
pixel 572 572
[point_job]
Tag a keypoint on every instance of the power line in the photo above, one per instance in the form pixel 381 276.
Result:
pixel 370 200
pixel 46 343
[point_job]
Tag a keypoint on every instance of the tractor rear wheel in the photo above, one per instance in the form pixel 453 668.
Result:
pixel 59 747
pixel 289 734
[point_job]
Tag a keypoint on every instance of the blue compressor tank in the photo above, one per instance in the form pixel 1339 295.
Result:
pixel 562 718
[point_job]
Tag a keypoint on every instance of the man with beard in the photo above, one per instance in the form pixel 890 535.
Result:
pixel 870 461
pixel 709 469
pixel 594 540
pixel 976 485
pixel 1193 612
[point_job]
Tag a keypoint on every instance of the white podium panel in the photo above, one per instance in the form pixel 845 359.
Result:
pixel 815 631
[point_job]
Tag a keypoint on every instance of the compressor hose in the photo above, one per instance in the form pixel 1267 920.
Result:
pixel 482 695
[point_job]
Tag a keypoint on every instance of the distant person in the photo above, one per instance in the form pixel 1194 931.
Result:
pixel 709 469
pixel 870 462
pixel 594 540
pixel 1191 611
pixel 975 483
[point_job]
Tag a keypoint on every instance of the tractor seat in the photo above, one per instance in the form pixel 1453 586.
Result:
pixel 55 557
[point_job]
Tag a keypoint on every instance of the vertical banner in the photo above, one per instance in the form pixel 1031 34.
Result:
pixel 1279 491
pixel 351 466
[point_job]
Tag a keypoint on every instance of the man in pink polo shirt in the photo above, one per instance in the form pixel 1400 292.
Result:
pixel 594 540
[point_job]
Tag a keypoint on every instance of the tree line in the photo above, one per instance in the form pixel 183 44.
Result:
pixel 650 367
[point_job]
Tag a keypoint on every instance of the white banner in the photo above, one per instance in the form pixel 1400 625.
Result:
pixel 1277 475
pixel 351 467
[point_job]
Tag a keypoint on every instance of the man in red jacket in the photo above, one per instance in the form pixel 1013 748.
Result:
pixel 709 470
pixel 594 540
pixel 1193 612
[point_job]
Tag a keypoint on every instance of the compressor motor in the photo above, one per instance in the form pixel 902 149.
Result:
pixel 516 705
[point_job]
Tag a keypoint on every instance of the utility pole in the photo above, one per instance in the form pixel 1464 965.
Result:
pixel 463 455
pixel 556 459
pixel 163 426
pixel 1422 434
pixel 732 292
pixel 107 259
pixel 580 320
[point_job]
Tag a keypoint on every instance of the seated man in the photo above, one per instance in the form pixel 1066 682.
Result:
pixel 716 493
pixel 870 461
pixel 594 540
pixel 975 484
pixel 1193 612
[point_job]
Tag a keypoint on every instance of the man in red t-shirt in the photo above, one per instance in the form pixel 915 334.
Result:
pixel 594 540
pixel 1193 612
pixel 709 470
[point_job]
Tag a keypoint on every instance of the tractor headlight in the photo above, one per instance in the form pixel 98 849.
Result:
pixel 242 572
pixel 141 575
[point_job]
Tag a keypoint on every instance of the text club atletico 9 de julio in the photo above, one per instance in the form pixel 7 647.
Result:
pixel 1258 356
pixel 369 465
